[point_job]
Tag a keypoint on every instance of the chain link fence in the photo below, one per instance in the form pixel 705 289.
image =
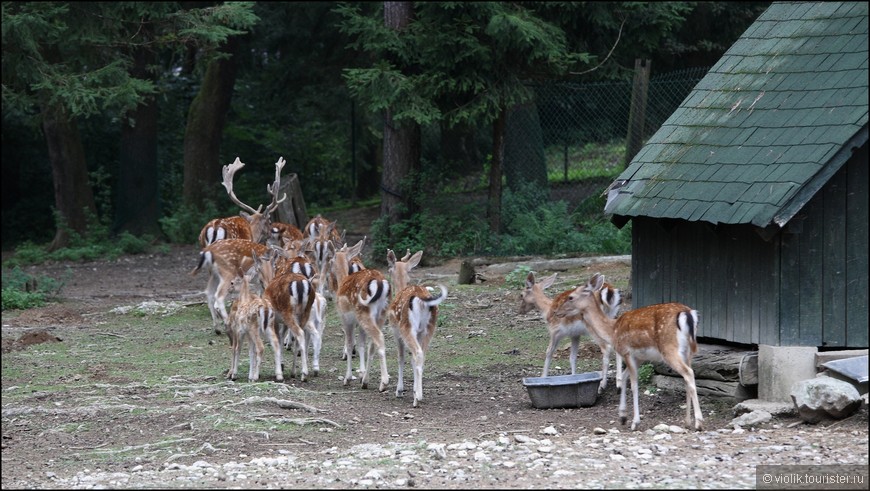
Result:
pixel 584 133
pixel 561 151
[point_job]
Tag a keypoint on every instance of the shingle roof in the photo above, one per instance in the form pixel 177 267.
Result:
pixel 767 126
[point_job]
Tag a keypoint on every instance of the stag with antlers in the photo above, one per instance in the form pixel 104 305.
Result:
pixel 250 224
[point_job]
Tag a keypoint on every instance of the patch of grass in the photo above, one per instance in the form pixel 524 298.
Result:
pixel 584 161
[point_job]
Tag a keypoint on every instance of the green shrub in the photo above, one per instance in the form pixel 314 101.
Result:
pixel 645 374
pixel 23 291
pixel 516 279
pixel 95 243
pixel 184 224
pixel 19 300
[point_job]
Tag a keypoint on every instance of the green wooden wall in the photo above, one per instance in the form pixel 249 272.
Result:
pixel 806 286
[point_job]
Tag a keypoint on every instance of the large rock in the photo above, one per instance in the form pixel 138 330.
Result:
pixel 824 398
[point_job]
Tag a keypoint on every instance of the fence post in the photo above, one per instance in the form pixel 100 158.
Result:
pixel 637 114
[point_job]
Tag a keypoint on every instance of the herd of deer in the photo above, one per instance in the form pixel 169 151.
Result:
pixel 297 270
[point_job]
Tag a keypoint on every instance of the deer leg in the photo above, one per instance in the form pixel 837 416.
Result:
pixel 316 343
pixel 400 349
pixel 620 380
pixel 257 349
pixel 211 288
pixel 220 302
pixel 234 355
pixel 347 323
pixel 575 344
pixel 418 358
pixel 634 394
pixel 605 364
pixel 632 373
pixel 551 348
pixel 303 346
pixel 376 341
pixel 361 341
pixel 277 348
pixel 676 362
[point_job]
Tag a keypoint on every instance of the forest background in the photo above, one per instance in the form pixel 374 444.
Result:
pixel 118 116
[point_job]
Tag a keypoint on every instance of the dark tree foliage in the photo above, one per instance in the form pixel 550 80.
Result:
pixel 465 65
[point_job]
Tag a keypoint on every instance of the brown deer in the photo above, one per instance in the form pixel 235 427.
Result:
pixel 561 327
pixel 251 317
pixel 280 232
pixel 225 260
pixel 292 296
pixel 350 256
pixel 414 316
pixel 251 224
pixel 362 299
pixel 324 239
pixel 292 260
pixel 662 332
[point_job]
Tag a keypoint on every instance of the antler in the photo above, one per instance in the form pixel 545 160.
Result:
pixel 229 171
pixel 273 189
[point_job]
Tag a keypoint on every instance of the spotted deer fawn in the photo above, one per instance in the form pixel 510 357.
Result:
pixel 251 224
pixel 662 332
pixel 413 314
pixel 562 326
pixel 251 317
pixel 362 299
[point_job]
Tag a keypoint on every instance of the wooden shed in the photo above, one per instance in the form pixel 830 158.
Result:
pixel 750 202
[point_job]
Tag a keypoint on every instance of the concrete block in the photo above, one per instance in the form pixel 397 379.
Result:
pixel 780 367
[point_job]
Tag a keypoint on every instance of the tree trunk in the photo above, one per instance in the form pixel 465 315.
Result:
pixel 205 124
pixel 401 141
pixel 137 201
pixel 401 155
pixel 524 160
pixel 73 196
pixel 493 207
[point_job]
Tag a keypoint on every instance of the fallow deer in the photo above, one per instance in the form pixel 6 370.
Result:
pixel 414 316
pixel 560 327
pixel 290 261
pixel 251 317
pixel 351 257
pixel 279 232
pixel 662 332
pixel 225 260
pixel 362 298
pixel 292 296
pixel 251 224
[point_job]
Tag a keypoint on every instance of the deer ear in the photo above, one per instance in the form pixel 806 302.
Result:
pixel 391 257
pixel 548 281
pixel 597 281
pixel 415 259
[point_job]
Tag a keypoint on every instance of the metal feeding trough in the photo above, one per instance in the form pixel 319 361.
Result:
pixel 560 391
